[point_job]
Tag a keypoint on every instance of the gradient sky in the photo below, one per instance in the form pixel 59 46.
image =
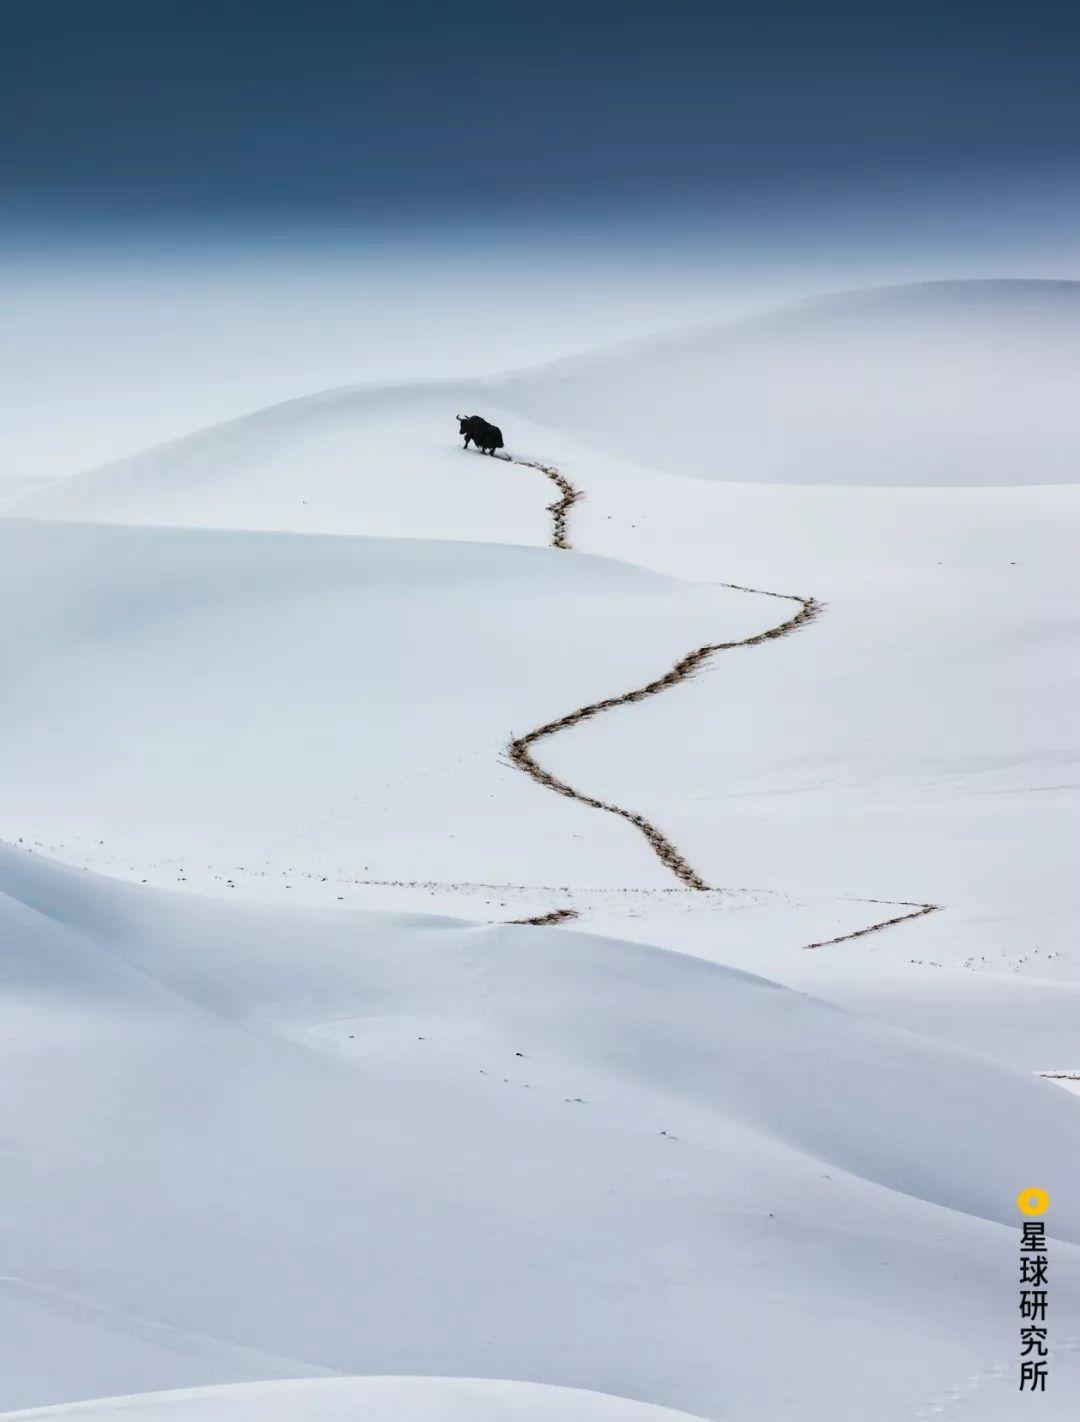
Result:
pixel 209 205
pixel 404 112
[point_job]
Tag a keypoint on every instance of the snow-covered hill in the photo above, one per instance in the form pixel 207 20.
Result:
pixel 938 384
pixel 303 1098
pixel 359 460
pixel 373 1398
pixel 326 719
pixel 281 713
pixel 245 1142
pixel 946 383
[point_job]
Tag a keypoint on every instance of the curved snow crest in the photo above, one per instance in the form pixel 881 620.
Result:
pixel 254 429
pixel 1054 298
pixel 722 1048
pixel 338 705
pixel 930 384
pixel 934 384
pixel 355 460
pixel 375 1399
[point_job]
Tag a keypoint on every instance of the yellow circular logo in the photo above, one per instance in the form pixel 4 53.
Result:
pixel 1033 1201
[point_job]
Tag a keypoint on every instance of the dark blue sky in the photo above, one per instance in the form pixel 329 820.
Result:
pixel 404 113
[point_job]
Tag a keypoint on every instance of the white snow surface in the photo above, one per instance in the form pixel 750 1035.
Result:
pixel 958 383
pixel 263 1110
pixel 255 1142
pixel 374 1399
pixel 372 461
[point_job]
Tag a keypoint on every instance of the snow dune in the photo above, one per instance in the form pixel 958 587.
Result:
pixel 245 1141
pixel 941 384
pixel 281 660
pixel 945 383
pixel 375 1399
pixel 900 748
pixel 372 461
pixel 282 712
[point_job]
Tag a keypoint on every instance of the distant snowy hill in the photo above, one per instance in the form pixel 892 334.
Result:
pixel 937 384
pixel 950 383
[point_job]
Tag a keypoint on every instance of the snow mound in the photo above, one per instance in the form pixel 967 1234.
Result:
pixel 248 705
pixel 942 383
pixel 814 1077
pixel 243 1144
pixel 377 461
pixel 946 383
pixel 373 1399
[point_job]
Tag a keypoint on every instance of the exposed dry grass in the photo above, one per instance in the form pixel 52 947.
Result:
pixel 917 911
pixel 541 920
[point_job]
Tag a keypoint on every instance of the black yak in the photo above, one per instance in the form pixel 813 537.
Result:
pixel 485 436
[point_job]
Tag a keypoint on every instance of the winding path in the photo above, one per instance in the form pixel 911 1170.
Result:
pixel 520 753
pixel 521 756
pixel 560 509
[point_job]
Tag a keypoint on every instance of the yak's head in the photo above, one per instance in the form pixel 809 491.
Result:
pixel 463 420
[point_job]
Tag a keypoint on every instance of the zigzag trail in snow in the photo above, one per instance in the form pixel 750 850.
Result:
pixel 520 754
pixel 665 851
pixel 917 911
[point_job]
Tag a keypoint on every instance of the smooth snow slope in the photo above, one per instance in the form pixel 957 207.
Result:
pixel 946 383
pixel 916 743
pixel 382 462
pixel 382 1143
pixel 248 1143
pixel 963 382
pixel 374 1399
pixel 285 713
